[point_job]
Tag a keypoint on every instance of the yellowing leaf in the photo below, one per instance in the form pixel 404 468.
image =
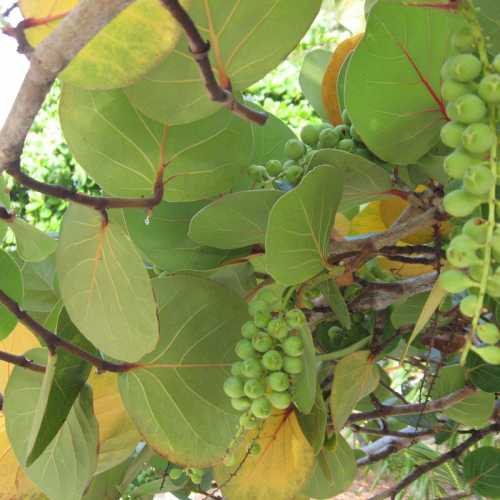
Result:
pixel 368 220
pixel 117 435
pixel 281 468
pixel 133 43
pixel 403 269
pixel 342 226
pixel 329 86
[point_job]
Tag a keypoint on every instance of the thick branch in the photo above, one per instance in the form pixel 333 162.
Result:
pixel 428 466
pixel 416 408
pixel 53 342
pixel 21 361
pixel 199 49
pixel 47 61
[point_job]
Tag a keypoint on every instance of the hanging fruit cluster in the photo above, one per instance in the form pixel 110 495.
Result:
pixel 270 355
pixel 343 137
pixel 471 89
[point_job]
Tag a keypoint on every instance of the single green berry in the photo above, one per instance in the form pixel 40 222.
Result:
pixel 257 172
pixel 248 422
pixel 278 328
pixel 233 387
pixel 343 131
pixel 345 117
pixel 328 138
pixel 310 135
pixel 175 473
pixel 493 286
pixel 488 333
pixel 456 163
pixel 454 281
pixel 295 149
pixel 469 305
pixel 478 180
pixel 272 360
pixel 196 477
pixel 469 109
pixel 451 90
pixel 293 366
pixel 236 369
pixel 251 368
pixel 490 354
pixel 295 318
pixel 464 243
pixel 354 134
pixel 445 71
pixel 294 173
pixel 240 404
pixel 460 254
pixel 262 319
pixel 478 138
pixel 293 346
pixel 347 145
pixel 268 296
pixel 451 134
pixel 249 329
pixel 465 67
pixel 278 381
pixel 254 449
pixel 262 342
pixel 476 272
pixel 280 400
pixel 254 388
pixel 274 168
pixel 258 306
pixel 262 408
pixel 245 350
pixel 477 229
pixel 463 40
pixel 489 89
pixel 461 203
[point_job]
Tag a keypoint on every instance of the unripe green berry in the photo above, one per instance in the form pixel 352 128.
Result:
pixel 455 281
pixel 451 90
pixel 347 145
pixel 175 473
pixel 478 138
pixel 249 329
pixel 469 109
pixel 262 319
pixel 295 149
pixel 462 251
pixel 267 296
pixel 463 40
pixel 468 305
pixel 477 229
pixel 478 180
pixel 245 350
pixel 257 172
pixel 280 400
pixel 328 138
pixel 451 134
pixel 293 366
pixel 262 408
pixel 490 354
pixel 278 381
pixel 343 131
pixel 493 286
pixel 251 368
pixel 345 117
pixel 254 388
pixel 461 203
pixel 248 422
pixel 489 89
pixel 295 318
pixel 488 333
pixel 309 135
pixel 476 272
pixel 240 404
pixel 278 328
pixel 456 163
pixel 258 306
pixel 272 360
pixel 274 168
pixel 294 173
pixel 464 67
pixel 236 369
pixel 255 449
pixel 262 342
pixel 293 346
pixel 233 387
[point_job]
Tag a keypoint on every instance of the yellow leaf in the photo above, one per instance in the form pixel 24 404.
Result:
pixel 117 434
pixel 134 42
pixel 403 269
pixel 329 85
pixel 281 468
pixel 369 220
pixel 342 226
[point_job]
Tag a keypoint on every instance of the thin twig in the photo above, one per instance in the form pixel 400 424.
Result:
pixel 387 432
pixel 21 361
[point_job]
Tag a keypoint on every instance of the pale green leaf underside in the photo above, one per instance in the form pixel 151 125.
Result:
pixel 105 286
pixel 32 245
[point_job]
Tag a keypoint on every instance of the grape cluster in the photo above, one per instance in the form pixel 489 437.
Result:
pixel 270 355
pixel 472 92
pixel 312 137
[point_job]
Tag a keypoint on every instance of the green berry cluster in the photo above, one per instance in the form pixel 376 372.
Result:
pixel 270 355
pixel 471 89
pixel 195 475
pixel 312 137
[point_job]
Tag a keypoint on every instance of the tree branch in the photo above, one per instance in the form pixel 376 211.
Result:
pixel 387 432
pixel 199 49
pixel 415 408
pixel 21 361
pixel 428 466
pixel 53 342
pixel 48 59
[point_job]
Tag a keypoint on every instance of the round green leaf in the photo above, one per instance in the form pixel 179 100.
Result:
pixel 313 425
pixel 484 376
pixel 11 285
pixel 32 245
pixel 248 39
pixel 176 397
pixel 482 471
